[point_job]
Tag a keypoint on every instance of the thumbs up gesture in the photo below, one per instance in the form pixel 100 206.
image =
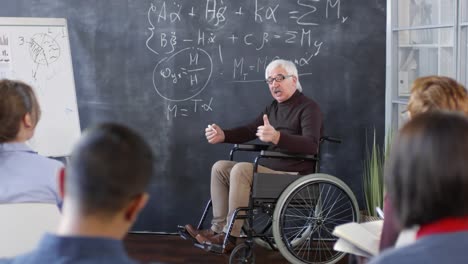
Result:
pixel 267 132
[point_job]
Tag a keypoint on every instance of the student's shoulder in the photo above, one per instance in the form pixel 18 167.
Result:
pixel 20 259
pixel 418 252
pixel 45 164
pixel 44 161
pixel 392 256
pixel 6 261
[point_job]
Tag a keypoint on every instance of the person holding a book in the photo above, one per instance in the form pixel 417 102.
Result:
pixel 428 93
pixel 427 183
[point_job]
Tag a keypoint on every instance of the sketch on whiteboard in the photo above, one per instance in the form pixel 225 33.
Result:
pixel 44 50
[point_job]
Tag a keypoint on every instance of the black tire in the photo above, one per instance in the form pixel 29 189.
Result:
pixel 306 214
pixel 242 254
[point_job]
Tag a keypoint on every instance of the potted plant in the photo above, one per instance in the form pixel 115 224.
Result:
pixel 373 185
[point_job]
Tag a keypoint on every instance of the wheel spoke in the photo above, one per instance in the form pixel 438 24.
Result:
pixel 307 214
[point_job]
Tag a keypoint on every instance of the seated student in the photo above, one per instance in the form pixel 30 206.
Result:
pixel 427 183
pixel 104 190
pixel 25 176
pixel 427 94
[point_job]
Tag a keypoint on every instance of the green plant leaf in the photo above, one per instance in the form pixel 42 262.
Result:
pixel 373 176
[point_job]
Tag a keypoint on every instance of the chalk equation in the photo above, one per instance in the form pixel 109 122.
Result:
pixel 188 108
pixel 175 83
pixel 215 14
pixel 191 38
pixel 162 42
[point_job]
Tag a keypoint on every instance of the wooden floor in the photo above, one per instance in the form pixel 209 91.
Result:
pixel 173 249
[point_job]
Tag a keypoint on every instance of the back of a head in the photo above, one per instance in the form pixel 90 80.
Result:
pixel 437 93
pixel 288 66
pixel 427 173
pixel 109 166
pixel 16 100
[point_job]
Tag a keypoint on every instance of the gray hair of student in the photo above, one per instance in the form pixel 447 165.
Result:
pixel 110 165
pixel 427 173
pixel 288 66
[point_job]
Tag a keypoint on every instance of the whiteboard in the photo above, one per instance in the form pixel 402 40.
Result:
pixel 37 52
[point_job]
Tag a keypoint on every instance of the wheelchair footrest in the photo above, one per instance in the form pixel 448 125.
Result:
pixel 214 248
pixel 184 234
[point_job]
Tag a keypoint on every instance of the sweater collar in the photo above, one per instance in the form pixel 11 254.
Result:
pixel 291 99
pixel 445 225
pixel 15 146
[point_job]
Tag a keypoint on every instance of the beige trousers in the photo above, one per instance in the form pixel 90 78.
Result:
pixel 230 188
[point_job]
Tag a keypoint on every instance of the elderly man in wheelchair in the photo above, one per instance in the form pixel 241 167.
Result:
pixel 291 124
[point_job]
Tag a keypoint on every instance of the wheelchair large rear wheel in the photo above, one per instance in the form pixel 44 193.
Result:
pixel 306 214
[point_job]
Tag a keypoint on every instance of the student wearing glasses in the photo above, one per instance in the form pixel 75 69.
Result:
pixel 291 123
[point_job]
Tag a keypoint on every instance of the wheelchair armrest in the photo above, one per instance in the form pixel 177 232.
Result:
pixel 283 155
pixel 331 139
pixel 250 147
pixel 247 147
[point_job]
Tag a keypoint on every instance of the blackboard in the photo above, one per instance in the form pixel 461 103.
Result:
pixel 169 68
pixel 37 52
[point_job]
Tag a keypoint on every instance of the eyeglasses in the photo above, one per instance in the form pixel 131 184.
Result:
pixel 278 78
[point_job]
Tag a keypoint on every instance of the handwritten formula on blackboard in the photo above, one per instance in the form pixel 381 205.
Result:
pixel 197 42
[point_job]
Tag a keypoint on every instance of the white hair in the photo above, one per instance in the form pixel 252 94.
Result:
pixel 288 66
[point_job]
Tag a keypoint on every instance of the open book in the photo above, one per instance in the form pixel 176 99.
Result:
pixel 359 238
pixel 363 239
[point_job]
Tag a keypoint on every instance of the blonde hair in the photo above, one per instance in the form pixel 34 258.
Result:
pixel 437 93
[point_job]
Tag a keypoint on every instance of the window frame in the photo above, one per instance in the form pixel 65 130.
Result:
pixel 394 101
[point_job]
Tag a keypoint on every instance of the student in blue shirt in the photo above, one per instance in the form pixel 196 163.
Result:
pixel 103 189
pixel 25 176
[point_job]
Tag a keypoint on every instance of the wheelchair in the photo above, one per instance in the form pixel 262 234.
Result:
pixel 294 214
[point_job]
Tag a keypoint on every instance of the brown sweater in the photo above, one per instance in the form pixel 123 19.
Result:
pixel 299 121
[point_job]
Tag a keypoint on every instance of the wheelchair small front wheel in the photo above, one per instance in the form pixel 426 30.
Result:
pixel 242 254
pixel 306 214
